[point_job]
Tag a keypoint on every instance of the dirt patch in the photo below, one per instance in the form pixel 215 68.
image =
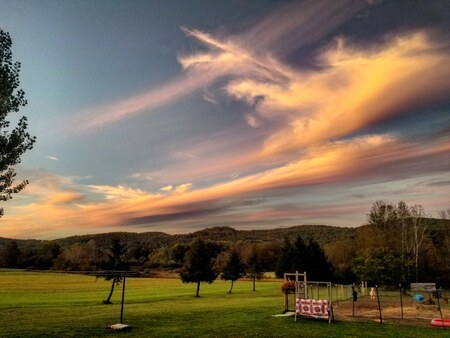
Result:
pixel 391 310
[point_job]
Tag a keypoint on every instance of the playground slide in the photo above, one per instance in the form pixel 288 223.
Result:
pixel 440 322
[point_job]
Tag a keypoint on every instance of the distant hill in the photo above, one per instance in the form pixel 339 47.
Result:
pixel 105 238
pixel 29 243
pixel 321 233
pixel 158 251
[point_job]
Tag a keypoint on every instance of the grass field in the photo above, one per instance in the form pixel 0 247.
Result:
pixel 62 305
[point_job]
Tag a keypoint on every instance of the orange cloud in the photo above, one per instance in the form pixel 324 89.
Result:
pixel 64 198
pixel 354 89
pixel 357 159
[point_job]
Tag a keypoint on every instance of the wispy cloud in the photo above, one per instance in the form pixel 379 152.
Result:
pixel 180 189
pixel 354 89
pixel 209 98
pixel 230 55
pixel 117 193
pixel 370 158
pixel 298 24
pixel 52 158
pixel 183 188
pixel 169 93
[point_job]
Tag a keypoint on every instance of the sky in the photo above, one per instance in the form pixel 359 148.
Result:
pixel 179 115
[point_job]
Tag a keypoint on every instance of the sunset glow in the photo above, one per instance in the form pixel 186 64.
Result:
pixel 303 113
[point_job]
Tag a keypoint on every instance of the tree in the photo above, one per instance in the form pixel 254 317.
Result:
pixel 12 255
pixel 178 251
pixel 233 268
pixel 319 267
pixel 384 217
pixel 385 238
pixel 254 267
pixel 341 254
pixel 115 264
pixel 444 214
pixel 199 263
pixel 403 214
pixel 160 258
pixel 44 256
pixel 419 227
pixel 300 260
pixel 371 268
pixel 73 256
pixel 13 141
pixel 284 262
pixel 397 237
pixel 267 253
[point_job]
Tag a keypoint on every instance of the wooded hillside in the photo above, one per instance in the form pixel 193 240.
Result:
pixel 392 248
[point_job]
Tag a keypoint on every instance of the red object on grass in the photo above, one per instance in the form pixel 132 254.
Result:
pixel 440 322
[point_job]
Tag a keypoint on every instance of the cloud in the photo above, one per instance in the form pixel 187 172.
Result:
pixel 180 189
pixel 51 188
pixel 439 183
pixel 118 193
pixel 142 176
pixel 209 98
pixel 183 188
pixel 252 120
pixel 52 158
pixel 353 90
pixel 59 203
pixel 169 93
pixel 298 24
pixel 229 54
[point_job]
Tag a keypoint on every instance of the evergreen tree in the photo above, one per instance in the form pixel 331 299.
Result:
pixel 284 262
pixel 198 264
pixel 319 268
pixel 304 257
pixel 233 268
pixel 254 267
pixel 301 260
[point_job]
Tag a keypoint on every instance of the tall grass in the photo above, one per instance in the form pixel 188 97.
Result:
pixel 62 305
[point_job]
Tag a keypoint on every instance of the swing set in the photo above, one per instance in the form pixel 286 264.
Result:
pixel 305 304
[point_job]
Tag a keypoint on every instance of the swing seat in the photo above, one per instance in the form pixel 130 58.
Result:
pixel 318 309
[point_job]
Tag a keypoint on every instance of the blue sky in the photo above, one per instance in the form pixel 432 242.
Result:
pixel 178 115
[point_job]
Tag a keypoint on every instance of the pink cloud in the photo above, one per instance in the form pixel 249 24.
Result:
pixel 359 159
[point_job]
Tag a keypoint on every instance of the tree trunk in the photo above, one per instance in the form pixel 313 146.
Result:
pixel 198 290
pixel 231 286
pixel 417 266
pixel 254 287
pixel 108 300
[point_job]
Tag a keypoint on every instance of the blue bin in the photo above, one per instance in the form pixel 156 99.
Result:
pixel 418 298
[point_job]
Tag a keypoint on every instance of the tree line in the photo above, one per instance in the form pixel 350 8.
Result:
pixel 399 244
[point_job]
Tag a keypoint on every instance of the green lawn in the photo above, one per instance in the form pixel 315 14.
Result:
pixel 62 305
